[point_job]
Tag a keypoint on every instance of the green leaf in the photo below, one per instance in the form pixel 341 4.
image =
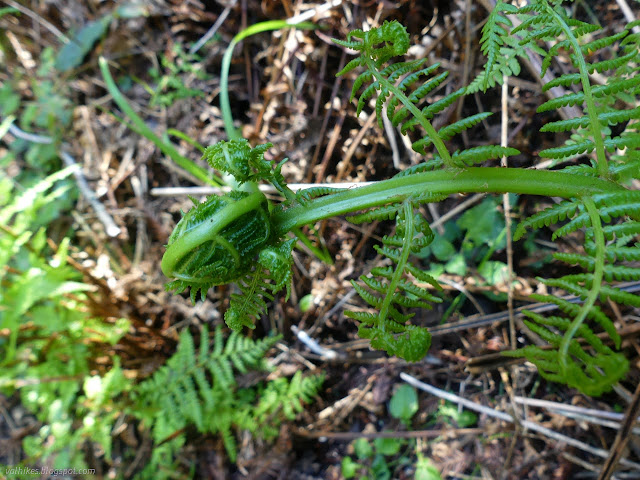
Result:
pixel 425 470
pixel 404 403
pixel 71 55
pixel 380 468
pixel 349 467
pixel 387 446
pixel 493 272
pixel 306 303
pixel 483 223
pixel 363 448
pixel 442 249
pixel 457 265
pixel 131 10
pixel 464 418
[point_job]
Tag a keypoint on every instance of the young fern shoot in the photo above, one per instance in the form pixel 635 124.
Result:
pixel 242 237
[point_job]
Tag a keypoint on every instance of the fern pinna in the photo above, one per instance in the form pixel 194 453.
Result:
pixel 604 145
pixel 198 387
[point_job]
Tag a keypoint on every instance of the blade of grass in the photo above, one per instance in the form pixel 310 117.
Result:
pixel 225 106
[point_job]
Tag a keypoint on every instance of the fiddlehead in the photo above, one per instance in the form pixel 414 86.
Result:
pixel 230 238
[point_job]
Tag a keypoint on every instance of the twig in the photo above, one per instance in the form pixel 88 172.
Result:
pixel 173 191
pixel 628 14
pixel 111 228
pixel 561 407
pixel 30 13
pixel 623 436
pixel 508 418
pixel 507 212
pixel 313 345
pixel 445 432
pixel 313 12
pixel 212 31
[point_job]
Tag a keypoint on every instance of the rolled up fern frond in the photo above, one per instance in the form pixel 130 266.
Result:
pixel 217 241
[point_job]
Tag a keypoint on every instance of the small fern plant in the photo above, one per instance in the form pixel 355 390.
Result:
pixel 242 237
pixel 197 387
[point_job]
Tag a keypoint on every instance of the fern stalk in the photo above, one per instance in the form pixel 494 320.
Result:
pixel 446 181
pixel 596 131
pixel 426 124
pixel 596 285
pixel 404 257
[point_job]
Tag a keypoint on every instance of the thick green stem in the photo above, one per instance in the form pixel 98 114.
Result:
pixel 596 131
pixel 448 181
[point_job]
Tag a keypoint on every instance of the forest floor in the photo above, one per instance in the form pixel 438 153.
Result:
pixel 283 90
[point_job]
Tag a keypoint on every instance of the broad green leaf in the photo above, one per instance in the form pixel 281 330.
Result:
pixel 71 55
pixel 349 467
pixel 425 470
pixel 387 446
pixel 363 448
pixel 404 403
pixel 493 272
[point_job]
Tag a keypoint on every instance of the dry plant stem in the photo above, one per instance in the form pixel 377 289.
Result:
pixel 561 407
pixel 212 31
pixel 507 213
pixel 508 418
pixel 46 24
pixel 534 65
pixel 267 189
pixel 623 436
pixel 348 436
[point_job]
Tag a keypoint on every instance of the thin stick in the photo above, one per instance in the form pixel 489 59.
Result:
pixel 508 418
pixel 313 345
pixel 507 213
pixel 111 228
pixel 173 191
pixel 561 407
pixel 212 31
pixel 628 13
pixel 445 432
pixel 623 436
pixel 46 24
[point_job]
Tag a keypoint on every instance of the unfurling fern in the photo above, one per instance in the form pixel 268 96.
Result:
pixel 198 387
pixel 202 252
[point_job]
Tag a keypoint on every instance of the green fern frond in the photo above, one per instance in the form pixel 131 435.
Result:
pixel 592 374
pixel 622 230
pixel 390 290
pixel 614 253
pixel 608 118
pixel 197 388
pixel 446 133
pixel 493 39
pixel 611 64
pixel 274 263
pixel 475 155
pixel 566 80
pixel 548 217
